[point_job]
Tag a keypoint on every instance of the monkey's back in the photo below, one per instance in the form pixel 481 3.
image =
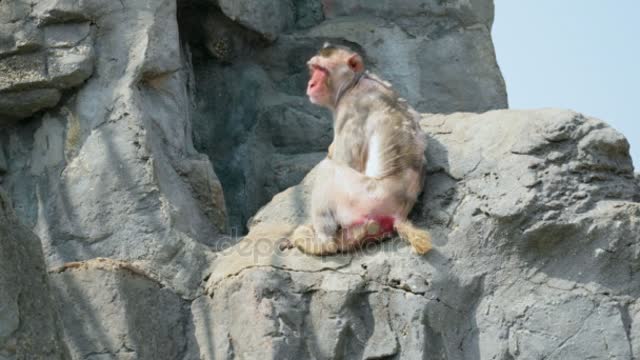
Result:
pixel 374 117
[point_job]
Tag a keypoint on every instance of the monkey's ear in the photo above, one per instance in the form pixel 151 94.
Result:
pixel 355 63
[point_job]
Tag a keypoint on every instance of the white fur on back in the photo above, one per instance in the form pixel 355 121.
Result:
pixel 374 158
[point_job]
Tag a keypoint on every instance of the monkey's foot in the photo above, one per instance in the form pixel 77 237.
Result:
pixel 419 239
pixel 305 239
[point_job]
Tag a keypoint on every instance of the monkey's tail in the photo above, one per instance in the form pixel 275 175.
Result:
pixel 419 239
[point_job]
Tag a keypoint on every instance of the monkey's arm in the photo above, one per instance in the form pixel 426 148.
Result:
pixel 392 148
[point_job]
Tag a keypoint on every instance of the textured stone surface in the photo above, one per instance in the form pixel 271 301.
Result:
pixel 469 12
pixel 36 62
pixel 267 17
pixel 29 325
pixel 22 104
pixel 535 216
pixel 536 224
pixel 3 162
pixel 144 320
pixel 111 171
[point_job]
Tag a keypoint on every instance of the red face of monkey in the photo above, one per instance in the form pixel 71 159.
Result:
pixel 330 70
pixel 319 87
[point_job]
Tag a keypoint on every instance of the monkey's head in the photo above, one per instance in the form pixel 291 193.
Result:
pixel 331 71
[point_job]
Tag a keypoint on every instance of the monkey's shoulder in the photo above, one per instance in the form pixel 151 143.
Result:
pixel 382 98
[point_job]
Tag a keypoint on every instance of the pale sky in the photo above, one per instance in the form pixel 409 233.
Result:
pixel 582 55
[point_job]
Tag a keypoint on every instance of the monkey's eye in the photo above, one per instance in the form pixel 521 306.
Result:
pixel 313 68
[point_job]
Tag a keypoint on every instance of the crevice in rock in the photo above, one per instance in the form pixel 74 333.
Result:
pixel 627 323
pixel 105 264
pixel 349 346
pixel 282 268
pixel 188 350
pixel 434 340
pixel 225 109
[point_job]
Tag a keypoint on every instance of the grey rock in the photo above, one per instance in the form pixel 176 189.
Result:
pixel 469 12
pixel 111 171
pixel 308 13
pixel 267 17
pixel 13 11
pixel 48 146
pixel 22 104
pixel 29 325
pixel 162 55
pixel 23 71
pixel 71 11
pixel 3 162
pixel 289 170
pixel 35 60
pixel 60 68
pixel 207 190
pixel 70 67
pixel 138 318
pixel 66 35
pixel 19 37
pixel 505 280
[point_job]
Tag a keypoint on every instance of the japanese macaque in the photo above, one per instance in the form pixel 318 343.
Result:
pixel 374 171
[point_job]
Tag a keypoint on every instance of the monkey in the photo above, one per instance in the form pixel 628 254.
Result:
pixel 374 169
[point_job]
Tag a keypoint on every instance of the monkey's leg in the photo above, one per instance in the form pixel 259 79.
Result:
pixel 338 216
pixel 305 239
pixel 320 239
pixel 340 199
pixel 384 202
pixel 419 239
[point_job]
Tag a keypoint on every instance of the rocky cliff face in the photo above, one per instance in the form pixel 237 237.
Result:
pixel 138 137
pixel 536 225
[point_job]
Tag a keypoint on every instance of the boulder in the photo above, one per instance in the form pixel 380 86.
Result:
pixel 39 60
